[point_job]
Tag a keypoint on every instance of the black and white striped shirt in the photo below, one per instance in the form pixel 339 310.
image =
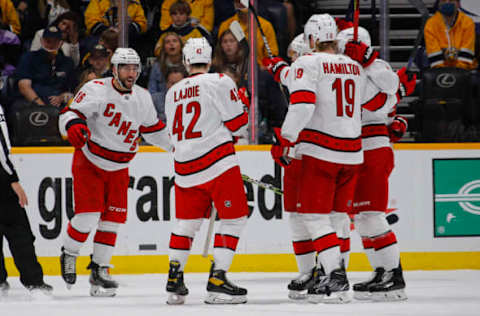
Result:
pixel 5 161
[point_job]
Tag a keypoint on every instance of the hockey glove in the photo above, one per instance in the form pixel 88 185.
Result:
pixel 274 66
pixel 343 24
pixel 280 148
pixel 243 95
pixel 78 132
pixel 407 83
pixel 397 129
pixel 362 53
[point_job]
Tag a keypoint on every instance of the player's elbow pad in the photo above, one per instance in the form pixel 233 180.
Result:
pixel 237 124
pixel 297 118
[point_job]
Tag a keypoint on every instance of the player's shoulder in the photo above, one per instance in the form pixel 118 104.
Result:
pixel 380 64
pixel 141 91
pixel 97 84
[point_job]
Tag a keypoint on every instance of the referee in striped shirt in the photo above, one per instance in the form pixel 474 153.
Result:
pixel 14 223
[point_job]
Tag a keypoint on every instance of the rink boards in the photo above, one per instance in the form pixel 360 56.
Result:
pixel 434 190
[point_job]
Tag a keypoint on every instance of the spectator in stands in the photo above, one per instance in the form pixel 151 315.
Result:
pixel 68 23
pixel 10 50
pixel 101 14
pixel 202 12
pixel 182 25
pixel 173 75
pixel 44 76
pixel 98 65
pixel 109 39
pixel 9 17
pixel 228 54
pixel 169 56
pixel 242 17
pixel 30 20
pixel 450 37
pixel 50 10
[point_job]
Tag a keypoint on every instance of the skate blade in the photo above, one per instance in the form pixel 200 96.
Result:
pixel 362 295
pixel 99 291
pixel 69 286
pixel 390 296
pixel 341 297
pixel 175 299
pixel 222 298
pixel 40 295
pixel 315 298
pixel 297 295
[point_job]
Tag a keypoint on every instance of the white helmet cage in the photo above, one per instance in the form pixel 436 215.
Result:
pixel 347 34
pixel 197 51
pixel 321 27
pixel 126 56
pixel 299 46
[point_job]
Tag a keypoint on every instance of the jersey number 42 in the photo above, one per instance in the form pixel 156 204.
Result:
pixel 178 126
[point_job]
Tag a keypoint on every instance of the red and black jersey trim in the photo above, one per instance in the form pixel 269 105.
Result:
pixel 237 122
pixel 80 114
pixel 375 103
pixel 303 247
pixel 107 154
pixel 152 129
pixel 225 241
pixel 374 130
pixel 303 96
pixel 205 161
pixel 329 141
pixel 326 241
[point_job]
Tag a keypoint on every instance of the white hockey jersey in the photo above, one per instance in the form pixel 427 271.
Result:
pixel 116 120
pixel 381 100
pixel 203 112
pixel 324 115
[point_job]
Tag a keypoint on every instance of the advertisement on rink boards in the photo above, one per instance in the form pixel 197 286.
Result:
pixel 47 180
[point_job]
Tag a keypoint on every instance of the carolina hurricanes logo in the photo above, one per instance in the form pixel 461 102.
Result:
pixel 199 51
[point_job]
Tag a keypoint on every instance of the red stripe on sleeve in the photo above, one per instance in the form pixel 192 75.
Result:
pixel 303 247
pixel 105 238
pixel 237 122
pixel 225 241
pixel 376 102
pixel 75 234
pixel 303 96
pixel 326 242
pixel 154 128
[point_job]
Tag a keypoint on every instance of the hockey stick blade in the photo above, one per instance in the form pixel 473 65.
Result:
pixel 263 185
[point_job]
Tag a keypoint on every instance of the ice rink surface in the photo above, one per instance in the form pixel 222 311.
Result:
pixel 435 293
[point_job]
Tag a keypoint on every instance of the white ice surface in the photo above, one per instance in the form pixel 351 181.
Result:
pixel 434 293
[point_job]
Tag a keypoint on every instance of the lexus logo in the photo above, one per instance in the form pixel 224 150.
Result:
pixel 38 118
pixel 446 80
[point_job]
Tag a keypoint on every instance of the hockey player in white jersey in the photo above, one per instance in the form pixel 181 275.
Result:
pixel 104 123
pixel 323 120
pixel 379 129
pixel 203 113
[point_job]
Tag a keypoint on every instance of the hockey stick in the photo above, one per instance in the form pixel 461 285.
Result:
pixel 356 17
pixel 424 11
pixel 263 185
pixel 211 224
pixel 247 3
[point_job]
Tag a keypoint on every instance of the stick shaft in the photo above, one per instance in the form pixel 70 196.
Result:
pixel 211 225
pixel 356 17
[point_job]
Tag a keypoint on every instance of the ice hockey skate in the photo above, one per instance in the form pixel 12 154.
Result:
pixel 221 291
pixel 299 286
pixel 392 287
pixel 176 289
pixel 40 291
pixel 68 264
pixel 333 289
pixel 4 288
pixel 361 290
pixel 101 282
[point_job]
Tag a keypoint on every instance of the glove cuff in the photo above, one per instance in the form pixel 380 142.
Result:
pixel 75 121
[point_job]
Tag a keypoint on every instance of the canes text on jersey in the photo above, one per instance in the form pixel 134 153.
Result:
pixel 123 126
